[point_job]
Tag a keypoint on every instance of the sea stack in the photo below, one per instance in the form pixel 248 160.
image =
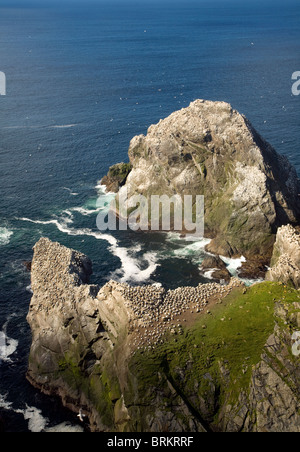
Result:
pixel 210 149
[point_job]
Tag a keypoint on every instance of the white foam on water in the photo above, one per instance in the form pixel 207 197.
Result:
pixel 102 191
pixel 66 126
pixel 101 188
pixel 94 206
pixel 188 247
pixel 4 404
pixel 196 251
pixel 193 249
pixel 233 265
pixel 209 273
pixel 5 235
pixel 36 421
pixel 130 266
pixel 178 237
pixel 86 212
pixel 61 226
pixel 8 346
pixel 29 289
pixel 250 282
pixel 64 427
pixel 70 191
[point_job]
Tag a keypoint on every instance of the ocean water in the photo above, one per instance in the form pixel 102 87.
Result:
pixel 83 78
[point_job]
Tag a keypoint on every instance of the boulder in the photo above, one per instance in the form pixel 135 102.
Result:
pixel 218 266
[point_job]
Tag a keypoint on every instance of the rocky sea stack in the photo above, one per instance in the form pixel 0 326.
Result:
pixel 210 149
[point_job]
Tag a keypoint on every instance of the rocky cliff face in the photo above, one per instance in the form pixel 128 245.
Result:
pixel 210 149
pixel 210 358
pixel 74 326
pixel 285 263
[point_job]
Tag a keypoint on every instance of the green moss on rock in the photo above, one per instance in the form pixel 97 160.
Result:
pixel 117 176
pixel 214 358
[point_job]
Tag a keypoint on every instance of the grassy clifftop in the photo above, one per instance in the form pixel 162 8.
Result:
pixel 211 363
pixel 228 366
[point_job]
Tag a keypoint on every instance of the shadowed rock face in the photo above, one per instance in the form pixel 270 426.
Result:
pixel 210 149
pixel 204 377
pixel 217 268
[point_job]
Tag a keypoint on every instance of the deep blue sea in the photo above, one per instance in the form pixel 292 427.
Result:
pixel 83 78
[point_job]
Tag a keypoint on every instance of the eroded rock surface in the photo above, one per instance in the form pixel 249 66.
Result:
pixel 210 149
pixel 285 263
pixel 122 357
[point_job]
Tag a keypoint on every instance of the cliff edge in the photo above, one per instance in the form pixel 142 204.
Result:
pixel 197 359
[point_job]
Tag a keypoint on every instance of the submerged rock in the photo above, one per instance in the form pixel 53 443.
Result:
pixel 210 149
pixel 27 265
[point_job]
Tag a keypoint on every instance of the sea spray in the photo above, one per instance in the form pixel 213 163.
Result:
pixel 130 266
pixel 8 346
pixel 5 235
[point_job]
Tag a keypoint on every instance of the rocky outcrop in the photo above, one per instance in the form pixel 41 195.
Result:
pixel 273 400
pixel 116 177
pixel 285 263
pixel 147 359
pixel 210 149
pixel 84 336
pixel 216 268
pixel 75 328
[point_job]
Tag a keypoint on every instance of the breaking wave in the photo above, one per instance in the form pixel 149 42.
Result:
pixel 233 264
pixel 36 421
pixel 8 346
pixel 131 266
pixel 5 235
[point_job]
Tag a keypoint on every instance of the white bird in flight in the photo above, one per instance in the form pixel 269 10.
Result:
pixel 81 416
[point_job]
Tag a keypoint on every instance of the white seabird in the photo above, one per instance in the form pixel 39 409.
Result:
pixel 81 416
